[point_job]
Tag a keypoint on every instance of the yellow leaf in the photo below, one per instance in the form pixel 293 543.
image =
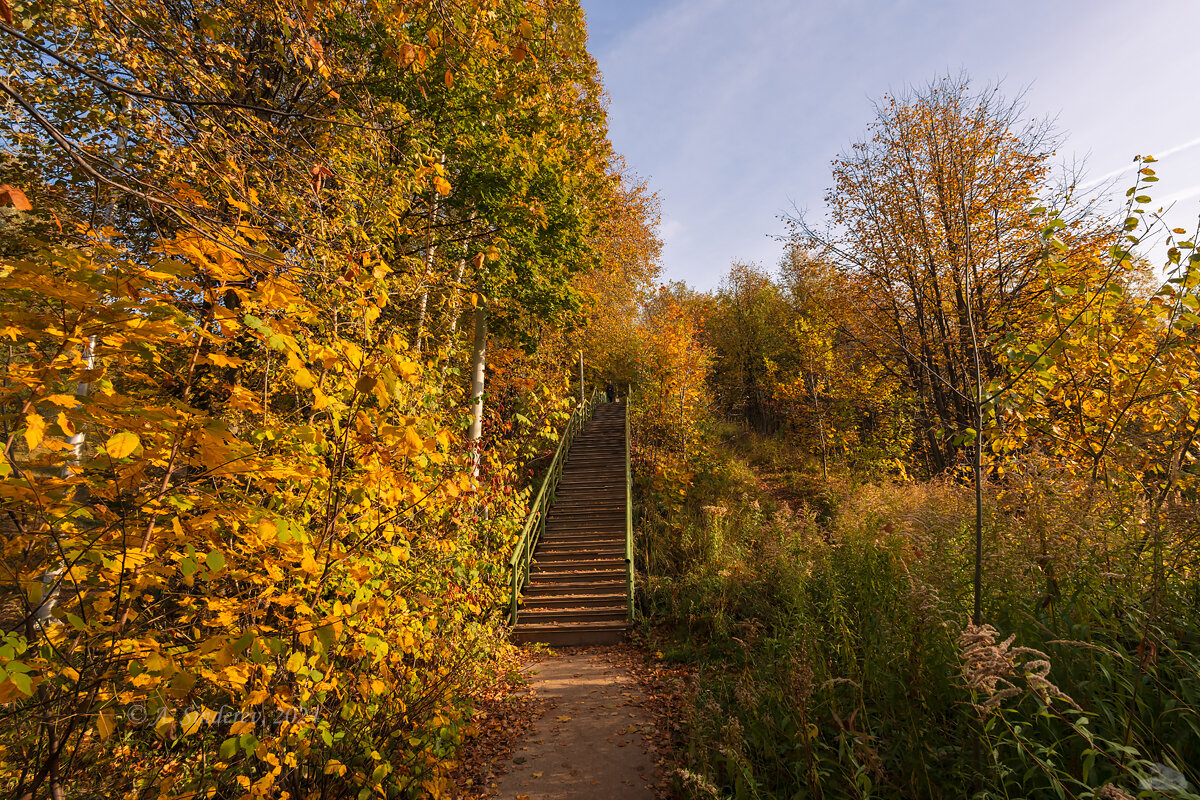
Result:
pixel 35 430
pixel 304 378
pixel 162 728
pixel 65 425
pixel 409 370
pixel 222 360
pixel 63 400
pixel 295 662
pixel 122 444
pixel 104 723
pixel 190 722
pixel 441 185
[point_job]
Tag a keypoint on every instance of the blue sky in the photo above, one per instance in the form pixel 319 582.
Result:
pixel 733 109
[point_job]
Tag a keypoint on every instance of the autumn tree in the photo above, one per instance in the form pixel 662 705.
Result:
pixel 746 330
pixel 835 394
pixel 929 217
pixel 250 235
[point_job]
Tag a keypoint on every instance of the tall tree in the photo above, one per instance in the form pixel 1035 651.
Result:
pixel 930 220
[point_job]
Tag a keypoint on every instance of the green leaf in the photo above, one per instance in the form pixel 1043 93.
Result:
pixel 215 561
pixel 21 681
pixel 229 747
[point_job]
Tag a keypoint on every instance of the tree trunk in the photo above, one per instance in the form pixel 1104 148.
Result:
pixel 478 375
pixel 430 252
pixel 458 273
pixel 81 390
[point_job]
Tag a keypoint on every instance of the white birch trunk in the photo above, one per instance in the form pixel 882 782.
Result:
pixel 478 375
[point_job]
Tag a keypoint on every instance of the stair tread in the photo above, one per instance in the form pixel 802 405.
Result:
pixel 606 624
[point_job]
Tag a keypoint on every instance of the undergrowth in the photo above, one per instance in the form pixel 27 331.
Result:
pixel 828 622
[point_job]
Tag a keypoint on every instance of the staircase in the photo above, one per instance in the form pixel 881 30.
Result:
pixel 577 591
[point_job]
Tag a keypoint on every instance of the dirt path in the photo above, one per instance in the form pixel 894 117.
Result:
pixel 591 741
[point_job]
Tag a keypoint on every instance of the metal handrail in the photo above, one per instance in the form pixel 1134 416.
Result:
pixel 628 513
pixel 535 522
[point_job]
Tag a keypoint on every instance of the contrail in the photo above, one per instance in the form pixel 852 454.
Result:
pixel 1170 151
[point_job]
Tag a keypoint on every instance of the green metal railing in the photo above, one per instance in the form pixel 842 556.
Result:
pixel 535 523
pixel 628 513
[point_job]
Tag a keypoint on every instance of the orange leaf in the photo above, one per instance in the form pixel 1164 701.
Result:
pixel 11 195
pixel 407 55
pixel 319 173
pixel 6 12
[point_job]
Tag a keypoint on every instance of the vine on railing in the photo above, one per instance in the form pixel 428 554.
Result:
pixel 535 523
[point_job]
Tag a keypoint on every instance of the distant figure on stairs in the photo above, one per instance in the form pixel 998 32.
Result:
pixel 610 392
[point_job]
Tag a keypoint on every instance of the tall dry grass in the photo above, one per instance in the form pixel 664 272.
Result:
pixel 834 654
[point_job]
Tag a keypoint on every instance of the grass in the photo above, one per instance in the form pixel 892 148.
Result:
pixel 828 625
